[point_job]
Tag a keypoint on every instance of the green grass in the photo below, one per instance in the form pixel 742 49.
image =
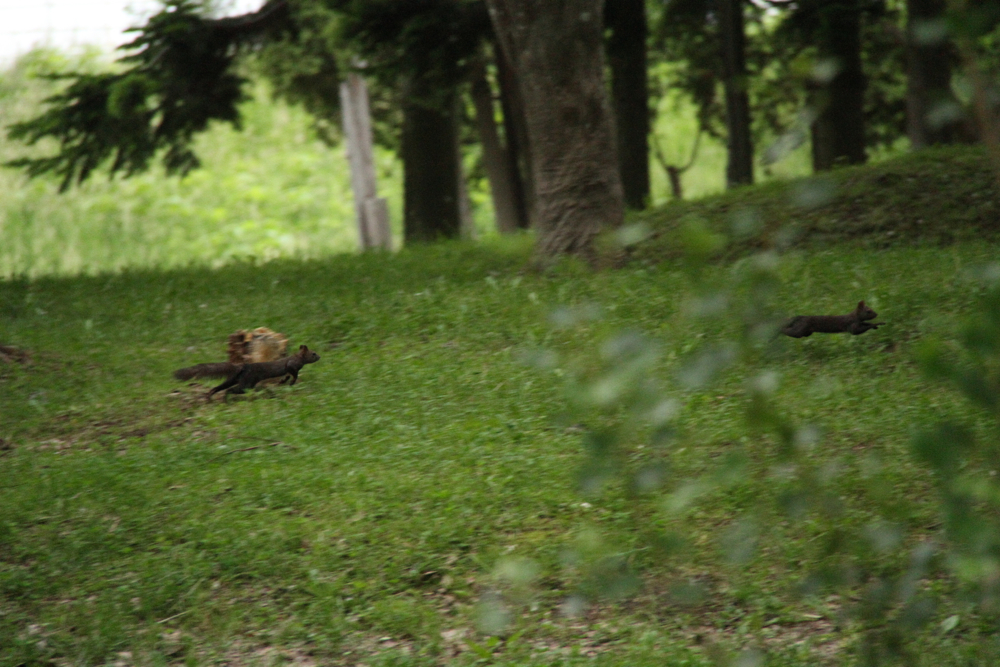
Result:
pixel 370 513
pixel 929 197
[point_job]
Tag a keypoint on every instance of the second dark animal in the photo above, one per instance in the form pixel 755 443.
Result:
pixel 856 322
pixel 250 374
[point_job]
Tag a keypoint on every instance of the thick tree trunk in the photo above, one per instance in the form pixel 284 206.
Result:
pixel 630 95
pixel 739 169
pixel 496 158
pixel 431 171
pixel 839 131
pixel 515 128
pixel 928 76
pixel 555 48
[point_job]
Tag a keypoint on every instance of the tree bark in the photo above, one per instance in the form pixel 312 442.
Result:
pixel 496 157
pixel 626 47
pixel 839 131
pixel 555 49
pixel 928 77
pixel 739 169
pixel 431 171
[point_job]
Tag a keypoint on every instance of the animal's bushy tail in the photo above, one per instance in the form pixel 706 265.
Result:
pixel 219 370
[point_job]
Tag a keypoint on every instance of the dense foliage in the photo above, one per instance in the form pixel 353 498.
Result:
pixel 177 78
pixel 181 72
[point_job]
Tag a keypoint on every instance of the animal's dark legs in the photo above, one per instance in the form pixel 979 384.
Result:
pixel 225 385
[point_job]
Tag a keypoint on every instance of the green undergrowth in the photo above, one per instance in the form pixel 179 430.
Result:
pixel 272 190
pixel 935 196
pixel 424 466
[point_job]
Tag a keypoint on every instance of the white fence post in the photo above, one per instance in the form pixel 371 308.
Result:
pixel 371 211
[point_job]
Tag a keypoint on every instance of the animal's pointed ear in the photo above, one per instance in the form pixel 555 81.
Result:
pixel 861 305
pixel 303 348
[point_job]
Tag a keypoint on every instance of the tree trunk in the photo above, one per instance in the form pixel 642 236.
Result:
pixel 928 77
pixel 496 158
pixel 626 48
pixel 431 205
pixel 554 47
pixel 739 170
pixel 839 131
pixel 515 128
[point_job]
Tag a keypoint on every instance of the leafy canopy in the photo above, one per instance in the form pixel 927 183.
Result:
pixel 177 79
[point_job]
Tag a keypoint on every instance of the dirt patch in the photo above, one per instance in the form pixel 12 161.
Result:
pixel 239 655
pixel 190 396
pixel 67 435
pixel 13 355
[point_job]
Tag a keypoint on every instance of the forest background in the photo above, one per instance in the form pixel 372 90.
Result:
pixel 298 203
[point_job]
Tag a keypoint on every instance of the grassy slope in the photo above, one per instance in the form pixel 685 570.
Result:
pixel 359 515
pixel 935 196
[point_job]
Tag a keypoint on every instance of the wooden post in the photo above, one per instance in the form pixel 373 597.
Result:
pixel 376 210
pixel 371 211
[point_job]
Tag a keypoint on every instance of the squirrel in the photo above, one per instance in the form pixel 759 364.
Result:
pixel 244 347
pixel 248 375
pixel 223 369
pixel 856 322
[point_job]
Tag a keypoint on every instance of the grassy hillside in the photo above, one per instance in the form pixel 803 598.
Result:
pixel 416 499
pixel 931 197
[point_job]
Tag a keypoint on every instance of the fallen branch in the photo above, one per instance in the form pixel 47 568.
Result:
pixel 10 355
pixel 243 449
pixel 673 171
pixel 170 618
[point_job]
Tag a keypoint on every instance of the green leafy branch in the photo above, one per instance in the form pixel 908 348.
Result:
pixel 178 78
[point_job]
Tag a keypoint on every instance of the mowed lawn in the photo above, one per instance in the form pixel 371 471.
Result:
pixel 415 498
